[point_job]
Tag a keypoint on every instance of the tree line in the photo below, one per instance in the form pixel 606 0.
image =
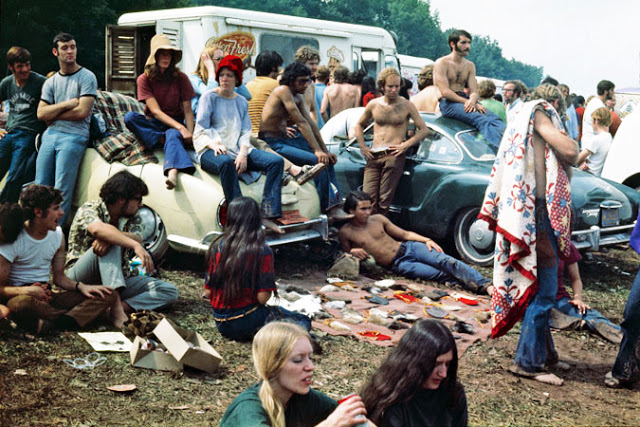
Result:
pixel 33 23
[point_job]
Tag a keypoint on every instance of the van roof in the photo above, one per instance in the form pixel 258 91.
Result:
pixel 248 16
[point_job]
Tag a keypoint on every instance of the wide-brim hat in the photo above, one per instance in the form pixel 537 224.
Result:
pixel 162 42
pixel 234 64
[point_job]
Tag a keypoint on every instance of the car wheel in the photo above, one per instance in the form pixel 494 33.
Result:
pixel 154 236
pixel 474 241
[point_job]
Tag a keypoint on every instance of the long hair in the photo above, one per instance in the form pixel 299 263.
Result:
pixel 241 249
pixel 368 85
pixel 271 348
pixel 402 373
pixel 201 71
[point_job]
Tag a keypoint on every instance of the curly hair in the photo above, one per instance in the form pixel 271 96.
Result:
pixel 341 74
pixel 425 78
pixel 293 71
pixel 486 89
pixel 603 116
pixel 550 93
pixel 37 196
pixel 306 53
pixel 122 185
pixel 11 221
pixel 382 77
pixel 408 366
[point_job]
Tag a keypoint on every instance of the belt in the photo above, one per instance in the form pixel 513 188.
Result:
pixel 401 251
pixel 263 135
pixel 238 316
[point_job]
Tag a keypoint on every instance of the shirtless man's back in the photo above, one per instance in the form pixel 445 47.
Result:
pixel 427 100
pixel 340 95
pixel 385 160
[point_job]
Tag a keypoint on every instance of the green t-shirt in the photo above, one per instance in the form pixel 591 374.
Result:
pixel 495 106
pixel 302 410
pixel 23 102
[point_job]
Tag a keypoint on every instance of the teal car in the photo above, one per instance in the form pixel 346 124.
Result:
pixel 443 185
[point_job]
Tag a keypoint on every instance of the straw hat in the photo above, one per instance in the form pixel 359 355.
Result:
pixel 162 42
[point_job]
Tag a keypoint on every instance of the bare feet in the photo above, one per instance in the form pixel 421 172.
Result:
pixel 172 179
pixel 270 225
pixel 117 314
pixel 295 170
pixel 543 377
pixel 490 290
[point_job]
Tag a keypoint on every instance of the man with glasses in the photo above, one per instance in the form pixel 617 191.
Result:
pixel 512 103
pixel 104 237
pixel 306 146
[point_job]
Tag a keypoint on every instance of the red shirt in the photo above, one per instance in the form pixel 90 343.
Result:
pixel 368 97
pixel 615 123
pixel 580 114
pixel 170 94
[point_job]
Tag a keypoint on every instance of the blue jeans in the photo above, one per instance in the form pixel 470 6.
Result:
pixel 244 328
pixel 298 151
pixel 150 130
pixel 627 362
pixel 535 346
pixel 58 163
pixel 415 261
pixel 591 317
pixel 489 124
pixel 17 155
pixel 223 165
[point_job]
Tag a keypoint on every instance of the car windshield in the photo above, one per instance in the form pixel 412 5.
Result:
pixel 477 146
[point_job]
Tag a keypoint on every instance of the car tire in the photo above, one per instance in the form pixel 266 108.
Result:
pixel 155 234
pixel 474 241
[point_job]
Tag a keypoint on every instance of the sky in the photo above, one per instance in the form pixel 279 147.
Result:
pixel 578 42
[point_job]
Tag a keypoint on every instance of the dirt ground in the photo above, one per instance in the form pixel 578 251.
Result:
pixel 37 388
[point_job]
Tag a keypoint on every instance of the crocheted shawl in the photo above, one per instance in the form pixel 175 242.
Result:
pixel 509 208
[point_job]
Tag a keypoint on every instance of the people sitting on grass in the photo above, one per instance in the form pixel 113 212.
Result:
pixel 168 118
pixel 105 235
pixel 222 143
pixel 282 356
pixel 571 312
pixel 26 265
pixel 417 384
pixel 240 276
pixel 403 252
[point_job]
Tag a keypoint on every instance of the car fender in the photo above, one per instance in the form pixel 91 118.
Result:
pixel 621 164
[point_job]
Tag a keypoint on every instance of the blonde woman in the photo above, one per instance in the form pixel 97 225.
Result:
pixel 282 356
pixel 203 77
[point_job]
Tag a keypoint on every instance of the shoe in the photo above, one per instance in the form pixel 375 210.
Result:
pixel 613 382
pixel 309 172
pixel 609 333
pixel 286 179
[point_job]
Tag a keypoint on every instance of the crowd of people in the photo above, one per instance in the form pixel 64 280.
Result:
pixel 272 125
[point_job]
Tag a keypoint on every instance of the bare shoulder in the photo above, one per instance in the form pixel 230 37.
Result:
pixel 345 231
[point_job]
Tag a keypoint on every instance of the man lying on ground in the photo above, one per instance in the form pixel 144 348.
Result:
pixel 26 263
pixel 403 252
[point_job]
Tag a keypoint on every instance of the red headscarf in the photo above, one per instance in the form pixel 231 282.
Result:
pixel 234 64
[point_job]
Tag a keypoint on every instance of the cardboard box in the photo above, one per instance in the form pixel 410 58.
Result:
pixel 148 359
pixel 180 353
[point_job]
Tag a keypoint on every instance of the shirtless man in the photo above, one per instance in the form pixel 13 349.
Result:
pixel 452 73
pixel 309 56
pixel 286 102
pixel 414 256
pixel 427 99
pixel 385 159
pixel 340 95
pixel 546 215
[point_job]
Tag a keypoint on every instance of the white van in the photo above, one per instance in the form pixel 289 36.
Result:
pixel 244 33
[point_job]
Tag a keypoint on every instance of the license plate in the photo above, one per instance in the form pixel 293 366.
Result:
pixel 610 217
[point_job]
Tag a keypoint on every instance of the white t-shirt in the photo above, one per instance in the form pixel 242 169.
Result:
pixel 587 120
pixel 30 258
pixel 599 145
pixel 341 124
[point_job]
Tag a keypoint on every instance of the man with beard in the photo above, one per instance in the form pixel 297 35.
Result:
pixel 306 147
pixel 104 236
pixel 511 91
pixel 309 56
pixel 452 73
pixel 606 91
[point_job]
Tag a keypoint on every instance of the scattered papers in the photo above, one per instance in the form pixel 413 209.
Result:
pixel 107 341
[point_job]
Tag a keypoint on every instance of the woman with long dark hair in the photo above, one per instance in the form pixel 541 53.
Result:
pixel 417 383
pixel 368 90
pixel 240 277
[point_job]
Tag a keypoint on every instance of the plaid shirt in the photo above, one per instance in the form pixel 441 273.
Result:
pixel 80 239
pixel 122 145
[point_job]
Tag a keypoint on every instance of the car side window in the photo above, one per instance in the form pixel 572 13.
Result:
pixel 438 148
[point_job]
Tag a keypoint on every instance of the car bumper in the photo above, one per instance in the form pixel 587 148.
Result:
pixel 313 229
pixel 596 237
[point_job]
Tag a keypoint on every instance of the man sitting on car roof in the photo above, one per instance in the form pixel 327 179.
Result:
pixel 104 236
